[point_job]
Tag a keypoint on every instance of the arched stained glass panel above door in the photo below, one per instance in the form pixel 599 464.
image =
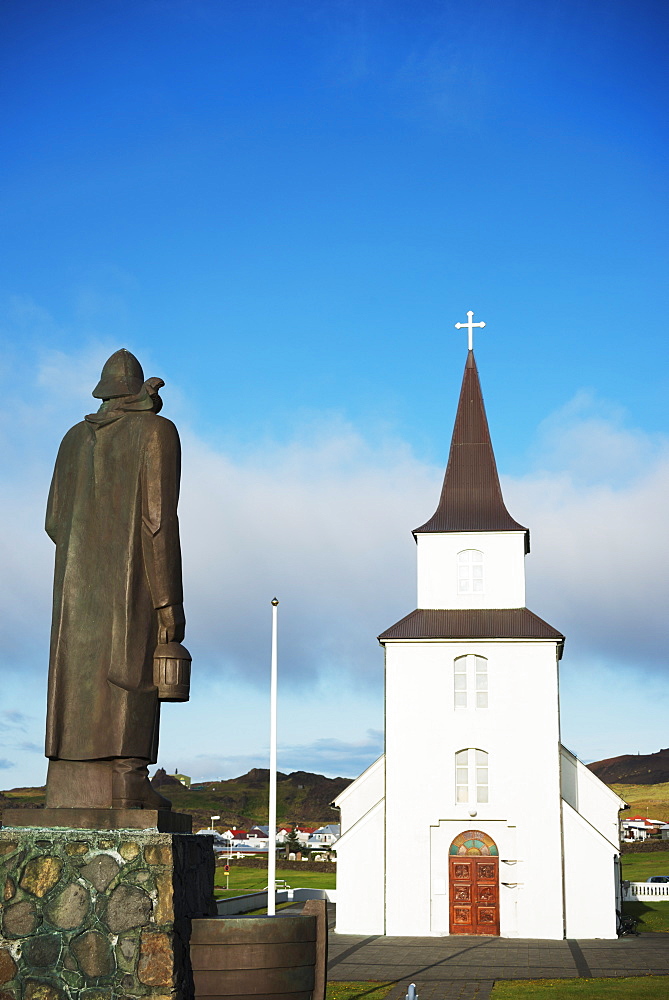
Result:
pixel 474 842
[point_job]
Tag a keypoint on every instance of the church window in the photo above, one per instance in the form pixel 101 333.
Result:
pixel 471 776
pixel 470 571
pixel 474 842
pixel 460 682
pixel 470 682
pixel 462 776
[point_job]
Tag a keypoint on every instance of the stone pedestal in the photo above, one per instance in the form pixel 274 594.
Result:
pixel 100 914
pixel 162 820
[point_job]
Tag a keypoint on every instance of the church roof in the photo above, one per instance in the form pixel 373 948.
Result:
pixel 471 497
pixel 472 623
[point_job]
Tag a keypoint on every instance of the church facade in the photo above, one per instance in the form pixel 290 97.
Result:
pixel 476 820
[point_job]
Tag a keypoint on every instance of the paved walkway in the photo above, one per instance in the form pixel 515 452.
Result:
pixel 465 968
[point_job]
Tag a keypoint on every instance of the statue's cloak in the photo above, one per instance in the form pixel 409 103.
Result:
pixel 112 513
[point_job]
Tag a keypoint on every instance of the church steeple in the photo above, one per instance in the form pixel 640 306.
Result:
pixel 471 497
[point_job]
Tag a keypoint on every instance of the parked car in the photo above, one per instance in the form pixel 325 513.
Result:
pixel 658 878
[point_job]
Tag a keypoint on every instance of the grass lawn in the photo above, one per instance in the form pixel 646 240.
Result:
pixel 255 879
pixel 651 917
pixel 350 991
pixel 629 988
pixel 639 867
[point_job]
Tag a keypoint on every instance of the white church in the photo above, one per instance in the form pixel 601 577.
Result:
pixel 476 820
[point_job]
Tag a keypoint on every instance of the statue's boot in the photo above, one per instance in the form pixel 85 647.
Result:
pixel 131 788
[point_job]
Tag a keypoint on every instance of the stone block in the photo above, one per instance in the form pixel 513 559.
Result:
pixel 36 990
pixel 141 877
pixel 163 820
pixel 9 889
pixel 92 951
pixel 157 854
pixel 40 875
pixel 77 848
pixel 42 951
pixel 69 962
pixel 129 850
pixel 164 910
pixel 20 919
pixel 70 907
pixel 100 871
pixel 126 952
pixel 156 963
pixel 7 966
pixel 128 906
pixel 14 862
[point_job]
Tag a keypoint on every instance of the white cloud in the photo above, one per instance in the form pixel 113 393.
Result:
pixel 324 523
pixel 599 567
pixel 327 755
pixel 333 756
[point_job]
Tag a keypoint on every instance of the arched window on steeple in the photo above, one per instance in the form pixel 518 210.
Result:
pixel 470 571
pixel 471 775
pixel 470 682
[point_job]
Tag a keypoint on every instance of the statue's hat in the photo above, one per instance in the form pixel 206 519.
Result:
pixel 122 375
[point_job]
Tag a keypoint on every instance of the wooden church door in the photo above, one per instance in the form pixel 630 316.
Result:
pixel 473 869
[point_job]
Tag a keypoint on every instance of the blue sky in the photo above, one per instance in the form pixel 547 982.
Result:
pixel 282 208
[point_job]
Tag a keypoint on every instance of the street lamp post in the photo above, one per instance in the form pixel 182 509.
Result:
pixel 271 846
pixel 212 818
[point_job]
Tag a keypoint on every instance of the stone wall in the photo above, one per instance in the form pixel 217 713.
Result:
pixel 644 846
pixel 91 915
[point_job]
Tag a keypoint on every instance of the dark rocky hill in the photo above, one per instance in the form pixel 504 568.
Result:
pixel 302 798
pixel 633 769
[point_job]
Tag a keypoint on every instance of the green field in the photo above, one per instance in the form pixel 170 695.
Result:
pixel 255 879
pixel 645 800
pixel 628 988
pixel 639 867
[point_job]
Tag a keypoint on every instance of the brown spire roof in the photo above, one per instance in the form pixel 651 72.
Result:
pixel 471 497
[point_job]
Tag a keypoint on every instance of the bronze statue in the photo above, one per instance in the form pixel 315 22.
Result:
pixel 112 513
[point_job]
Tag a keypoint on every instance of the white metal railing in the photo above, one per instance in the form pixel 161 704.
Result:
pixel 633 891
pixel 256 900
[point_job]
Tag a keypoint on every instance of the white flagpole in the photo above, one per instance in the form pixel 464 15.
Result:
pixel 271 842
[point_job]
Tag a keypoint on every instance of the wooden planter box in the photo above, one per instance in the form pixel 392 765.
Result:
pixel 234 958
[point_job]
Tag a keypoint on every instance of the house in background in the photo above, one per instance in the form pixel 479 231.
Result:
pixel 258 836
pixel 511 834
pixel 324 836
pixel 641 827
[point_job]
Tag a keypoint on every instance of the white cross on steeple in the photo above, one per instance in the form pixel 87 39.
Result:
pixel 470 328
